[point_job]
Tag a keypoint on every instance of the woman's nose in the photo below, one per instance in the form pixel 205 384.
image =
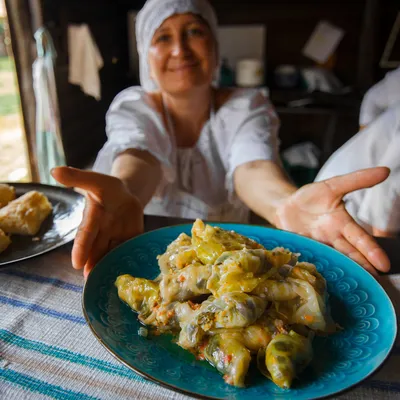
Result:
pixel 180 46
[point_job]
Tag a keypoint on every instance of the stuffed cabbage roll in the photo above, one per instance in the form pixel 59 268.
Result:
pixel 236 310
pixel 211 241
pixel 239 271
pixel 273 290
pixel 231 310
pixel 285 357
pixel 281 256
pixel 190 336
pixel 308 272
pixel 170 316
pixel 298 302
pixel 229 356
pixel 178 255
pixel 142 295
pixel 254 337
pixel 311 310
pixel 186 283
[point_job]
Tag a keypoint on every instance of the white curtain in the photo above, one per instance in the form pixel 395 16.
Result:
pixel 49 147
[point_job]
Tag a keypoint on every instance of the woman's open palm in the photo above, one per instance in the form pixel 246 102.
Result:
pixel 112 215
pixel 317 211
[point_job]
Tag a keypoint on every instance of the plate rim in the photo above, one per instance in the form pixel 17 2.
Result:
pixel 205 397
pixel 63 189
pixel 65 240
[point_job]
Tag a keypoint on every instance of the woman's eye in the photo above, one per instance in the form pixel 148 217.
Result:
pixel 195 32
pixel 162 38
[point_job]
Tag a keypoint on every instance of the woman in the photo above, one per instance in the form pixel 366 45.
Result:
pixel 178 146
pixel 377 209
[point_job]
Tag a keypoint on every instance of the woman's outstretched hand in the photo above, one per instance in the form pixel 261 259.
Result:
pixel 317 211
pixel 112 215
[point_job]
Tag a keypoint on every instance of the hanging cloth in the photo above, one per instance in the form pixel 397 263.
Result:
pixel 49 147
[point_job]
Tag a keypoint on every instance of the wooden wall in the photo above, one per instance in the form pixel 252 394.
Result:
pixel 83 117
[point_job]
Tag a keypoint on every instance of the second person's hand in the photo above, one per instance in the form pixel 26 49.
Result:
pixel 112 215
pixel 318 211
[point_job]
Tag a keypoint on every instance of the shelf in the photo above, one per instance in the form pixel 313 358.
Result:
pixel 320 103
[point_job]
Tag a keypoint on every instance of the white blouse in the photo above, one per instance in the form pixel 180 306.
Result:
pixel 197 182
pixel 380 97
pixel 376 145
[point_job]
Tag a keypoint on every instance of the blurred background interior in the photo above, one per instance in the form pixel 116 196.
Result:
pixel 315 58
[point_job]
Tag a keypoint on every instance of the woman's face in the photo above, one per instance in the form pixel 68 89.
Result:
pixel 182 54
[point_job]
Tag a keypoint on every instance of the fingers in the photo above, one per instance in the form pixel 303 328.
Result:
pixel 113 244
pixel 100 186
pixel 342 245
pixel 86 271
pixel 86 235
pixel 100 248
pixel 367 246
pixel 365 178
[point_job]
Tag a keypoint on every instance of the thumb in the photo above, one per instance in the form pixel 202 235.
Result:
pixel 97 184
pixel 362 179
pixel 73 177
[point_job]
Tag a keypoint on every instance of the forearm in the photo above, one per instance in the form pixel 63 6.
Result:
pixel 263 186
pixel 140 172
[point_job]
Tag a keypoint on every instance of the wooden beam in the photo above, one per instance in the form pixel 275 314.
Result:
pixel 23 45
pixel 36 14
pixel 368 43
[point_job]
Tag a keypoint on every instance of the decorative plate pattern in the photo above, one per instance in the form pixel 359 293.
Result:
pixel 358 304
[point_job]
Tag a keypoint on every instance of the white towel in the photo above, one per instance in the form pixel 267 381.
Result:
pixel 85 60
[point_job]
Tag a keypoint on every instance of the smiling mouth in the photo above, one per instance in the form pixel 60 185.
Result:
pixel 183 67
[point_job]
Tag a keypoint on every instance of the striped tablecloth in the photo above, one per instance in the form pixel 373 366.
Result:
pixel 48 351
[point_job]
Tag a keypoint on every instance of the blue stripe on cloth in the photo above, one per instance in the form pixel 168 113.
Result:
pixel 105 366
pixel 382 385
pixel 67 355
pixel 36 385
pixel 46 311
pixel 44 279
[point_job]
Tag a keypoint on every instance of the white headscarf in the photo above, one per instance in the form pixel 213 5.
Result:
pixel 150 18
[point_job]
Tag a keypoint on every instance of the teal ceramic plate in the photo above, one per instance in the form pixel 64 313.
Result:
pixel 358 303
